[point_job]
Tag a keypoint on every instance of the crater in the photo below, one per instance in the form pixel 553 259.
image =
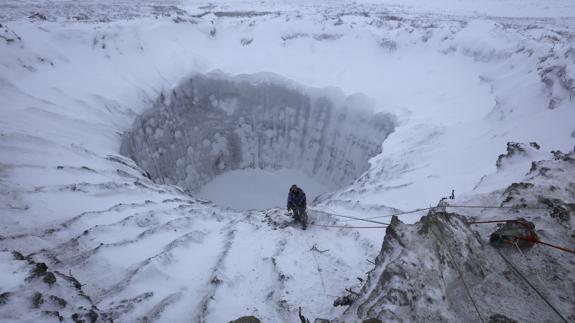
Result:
pixel 247 137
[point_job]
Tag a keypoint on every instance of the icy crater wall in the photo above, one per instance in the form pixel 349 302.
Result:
pixel 212 124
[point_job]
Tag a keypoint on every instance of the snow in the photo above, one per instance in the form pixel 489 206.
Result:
pixel 462 78
pixel 257 188
pixel 11 269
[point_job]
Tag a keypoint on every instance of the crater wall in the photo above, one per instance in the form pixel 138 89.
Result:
pixel 211 124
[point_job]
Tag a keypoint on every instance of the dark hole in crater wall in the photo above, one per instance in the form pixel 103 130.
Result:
pixel 211 124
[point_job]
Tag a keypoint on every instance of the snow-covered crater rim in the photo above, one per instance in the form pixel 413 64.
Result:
pixel 211 124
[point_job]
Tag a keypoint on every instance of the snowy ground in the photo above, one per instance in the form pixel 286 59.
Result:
pixel 462 78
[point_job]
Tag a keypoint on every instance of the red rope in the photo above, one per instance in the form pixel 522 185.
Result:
pixel 530 238
pixel 547 244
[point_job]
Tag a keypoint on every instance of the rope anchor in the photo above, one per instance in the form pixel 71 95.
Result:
pixel 517 230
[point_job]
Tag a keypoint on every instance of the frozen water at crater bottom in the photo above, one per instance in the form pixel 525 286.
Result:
pixel 257 188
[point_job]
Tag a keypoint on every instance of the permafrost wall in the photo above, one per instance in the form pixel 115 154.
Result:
pixel 213 124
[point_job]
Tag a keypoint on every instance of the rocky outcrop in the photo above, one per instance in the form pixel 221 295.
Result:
pixel 8 35
pixel 46 294
pixel 246 319
pixel 442 268
pixel 515 149
pixel 559 84
pixel 213 124
pixel 417 272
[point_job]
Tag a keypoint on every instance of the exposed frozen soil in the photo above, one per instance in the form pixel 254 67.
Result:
pixel 97 239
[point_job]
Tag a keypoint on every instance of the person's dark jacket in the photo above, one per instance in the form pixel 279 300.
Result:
pixel 297 199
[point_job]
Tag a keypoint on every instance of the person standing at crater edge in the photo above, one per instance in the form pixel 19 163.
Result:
pixel 297 203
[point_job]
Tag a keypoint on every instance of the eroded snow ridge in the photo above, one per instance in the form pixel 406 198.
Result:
pixel 174 257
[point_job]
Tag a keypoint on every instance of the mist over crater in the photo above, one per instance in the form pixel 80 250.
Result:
pixel 212 124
